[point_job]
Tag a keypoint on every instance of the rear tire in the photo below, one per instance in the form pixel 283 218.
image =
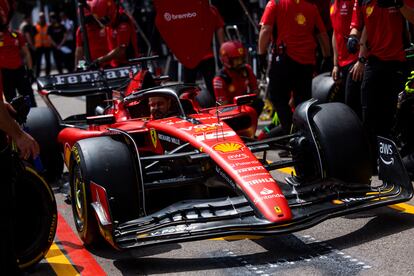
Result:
pixel 344 146
pixel 36 218
pixel 44 126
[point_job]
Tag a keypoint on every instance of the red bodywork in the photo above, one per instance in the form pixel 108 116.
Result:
pixel 212 135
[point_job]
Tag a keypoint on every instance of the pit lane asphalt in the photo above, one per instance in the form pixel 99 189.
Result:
pixel 375 242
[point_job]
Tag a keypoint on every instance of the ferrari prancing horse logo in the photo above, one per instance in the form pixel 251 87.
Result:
pixel 154 138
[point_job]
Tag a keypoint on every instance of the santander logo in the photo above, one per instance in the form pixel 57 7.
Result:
pixel 266 191
pixel 170 16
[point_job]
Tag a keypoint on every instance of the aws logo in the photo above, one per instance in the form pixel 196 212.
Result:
pixel 228 147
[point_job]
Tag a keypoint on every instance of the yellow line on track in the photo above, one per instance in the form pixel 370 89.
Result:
pixel 58 261
pixel 403 207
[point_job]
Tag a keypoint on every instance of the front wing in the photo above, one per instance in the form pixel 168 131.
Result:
pixel 316 202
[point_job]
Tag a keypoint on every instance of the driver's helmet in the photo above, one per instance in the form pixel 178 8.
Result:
pixel 103 10
pixel 233 54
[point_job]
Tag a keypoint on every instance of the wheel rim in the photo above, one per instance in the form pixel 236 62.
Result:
pixel 79 199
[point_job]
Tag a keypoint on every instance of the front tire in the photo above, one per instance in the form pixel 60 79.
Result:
pixel 83 214
pixel 342 141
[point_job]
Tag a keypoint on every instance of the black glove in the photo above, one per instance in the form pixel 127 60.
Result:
pixel 326 65
pixel 262 63
pixel 352 44
pixel 390 3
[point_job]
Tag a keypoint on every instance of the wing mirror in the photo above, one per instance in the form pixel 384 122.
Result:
pixel 244 99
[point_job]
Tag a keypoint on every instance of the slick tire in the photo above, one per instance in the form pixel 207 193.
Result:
pixel 36 218
pixel 323 88
pixel 342 141
pixel 43 125
pixel 108 162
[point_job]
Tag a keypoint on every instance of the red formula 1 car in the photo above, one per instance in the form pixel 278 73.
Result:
pixel 198 173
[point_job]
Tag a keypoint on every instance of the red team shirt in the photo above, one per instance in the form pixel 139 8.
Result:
pixel 295 22
pixel 237 84
pixel 386 42
pixel 97 39
pixel 10 45
pixel 341 17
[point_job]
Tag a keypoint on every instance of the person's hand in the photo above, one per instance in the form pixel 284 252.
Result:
pixel 335 73
pixel 352 44
pixel 27 145
pixel 262 63
pixel 357 71
pixel 390 3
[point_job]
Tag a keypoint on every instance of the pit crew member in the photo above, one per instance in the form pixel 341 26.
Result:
pixel 348 68
pixel 28 147
pixel 236 78
pixel 16 76
pixel 97 38
pixel 386 68
pixel 121 33
pixel 293 60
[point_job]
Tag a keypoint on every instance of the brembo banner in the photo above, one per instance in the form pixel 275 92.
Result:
pixel 186 27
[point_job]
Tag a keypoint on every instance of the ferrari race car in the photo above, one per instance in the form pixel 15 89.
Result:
pixel 199 173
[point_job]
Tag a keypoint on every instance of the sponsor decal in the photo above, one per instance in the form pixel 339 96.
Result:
pixel 369 10
pixel 247 163
pixel 203 127
pixel 171 230
pixel 266 191
pixel 277 210
pixel 385 154
pixel 170 16
pixel 228 147
pixel 214 135
pixel 255 175
pixel 169 139
pixel 267 197
pixel 154 139
pixel 238 156
pixel 77 78
pixel 225 176
pixel 250 169
pixel 76 154
pixel 261 181
pixel 301 19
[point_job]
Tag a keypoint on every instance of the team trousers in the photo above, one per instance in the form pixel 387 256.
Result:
pixel 286 76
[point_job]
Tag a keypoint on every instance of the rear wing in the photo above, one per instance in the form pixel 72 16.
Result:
pixel 82 83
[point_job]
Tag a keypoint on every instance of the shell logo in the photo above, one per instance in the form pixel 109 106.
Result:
pixel 301 19
pixel 332 9
pixel 369 10
pixel 241 51
pixel 228 147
